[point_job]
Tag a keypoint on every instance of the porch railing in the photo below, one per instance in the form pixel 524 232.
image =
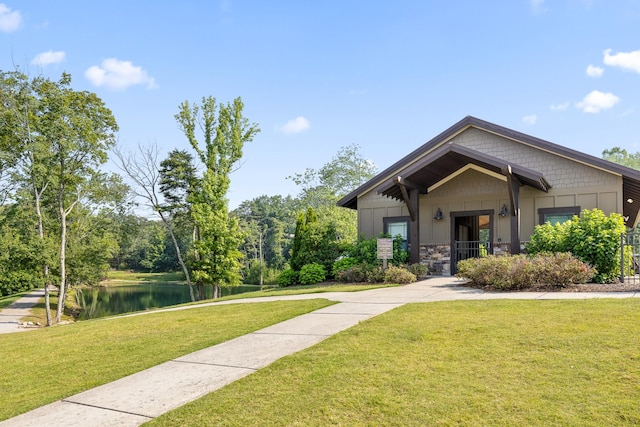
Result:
pixel 469 249
pixel 630 257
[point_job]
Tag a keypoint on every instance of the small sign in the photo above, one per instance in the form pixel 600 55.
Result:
pixel 385 249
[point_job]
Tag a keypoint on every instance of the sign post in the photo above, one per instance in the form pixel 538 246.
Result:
pixel 385 250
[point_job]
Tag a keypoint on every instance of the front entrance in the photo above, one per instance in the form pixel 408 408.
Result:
pixel 471 235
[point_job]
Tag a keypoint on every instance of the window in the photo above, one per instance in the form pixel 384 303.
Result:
pixel 397 225
pixel 558 215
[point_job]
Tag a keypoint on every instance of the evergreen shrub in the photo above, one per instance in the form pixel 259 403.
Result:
pixel 313 273
pixel 287 277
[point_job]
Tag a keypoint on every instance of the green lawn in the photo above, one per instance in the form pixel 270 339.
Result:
pixel 9 299
pixel 114 276
pixel 309 289
pixel 472 363
pixel 45 365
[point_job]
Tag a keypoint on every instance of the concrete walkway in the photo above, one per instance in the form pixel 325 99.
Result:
pixel 140 397
pixel 10 316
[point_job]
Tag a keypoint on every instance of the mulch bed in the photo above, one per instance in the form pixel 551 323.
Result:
pixel 586 287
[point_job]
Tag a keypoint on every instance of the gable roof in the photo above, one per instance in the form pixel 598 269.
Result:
pixel 447 159
pixel 423 158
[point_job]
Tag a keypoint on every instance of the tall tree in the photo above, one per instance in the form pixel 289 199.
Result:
pixel 142 168
pixel 24 152
pixel 224 131
pixel 79 130
pixel 273 218
pixel 178 178
pixel 347 170
pixel 59 137
pixel 322 188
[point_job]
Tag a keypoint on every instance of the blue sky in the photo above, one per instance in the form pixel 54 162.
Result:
pixel 320 75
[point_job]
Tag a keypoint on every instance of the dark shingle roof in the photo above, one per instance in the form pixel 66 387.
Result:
pixel 454 154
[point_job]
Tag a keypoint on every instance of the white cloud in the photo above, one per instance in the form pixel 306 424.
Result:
pixel 593 71
pixel 9 20
pixel 626 60
pixel 297 125
pixel 597 101
pixel 116 74
pixel 530 119
pixel 50 57
pixel 560 107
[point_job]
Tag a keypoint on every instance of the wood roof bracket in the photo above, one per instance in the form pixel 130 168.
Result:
pixel 405 195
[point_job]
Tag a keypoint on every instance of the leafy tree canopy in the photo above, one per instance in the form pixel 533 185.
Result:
pixel 622 157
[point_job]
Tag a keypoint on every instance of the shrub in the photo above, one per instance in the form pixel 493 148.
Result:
pixel 311 274
pixel 376 274
pixel 400 255
pixel 561 269
pixel 12 282
pixel 361 273
pixel 353 274
pixel 593 237
pixel 343 264
pixel 314 242
pixel 489 271
pixel 521 271
pixel 550 238
pixel 399 275
pixel 365 251
pixel 629 265
pixel 287 277
pixel 418 269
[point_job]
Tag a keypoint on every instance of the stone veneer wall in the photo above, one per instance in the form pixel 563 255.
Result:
pixel 437 256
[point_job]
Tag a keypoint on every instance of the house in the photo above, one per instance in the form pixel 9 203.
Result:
pixel 480 188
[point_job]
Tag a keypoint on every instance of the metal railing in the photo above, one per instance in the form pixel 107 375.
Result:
pixel 469 249
pixel 630 257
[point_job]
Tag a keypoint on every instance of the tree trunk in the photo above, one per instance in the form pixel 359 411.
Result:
pixel 45 267
pixel 63 257
pixel 261 261
pixel 183 265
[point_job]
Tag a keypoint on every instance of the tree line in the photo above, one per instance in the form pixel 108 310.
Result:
pixel 64 221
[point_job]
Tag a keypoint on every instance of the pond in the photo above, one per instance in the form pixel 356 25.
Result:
pixel 111 300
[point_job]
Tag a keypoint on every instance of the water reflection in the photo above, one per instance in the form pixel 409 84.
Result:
pixel 112 300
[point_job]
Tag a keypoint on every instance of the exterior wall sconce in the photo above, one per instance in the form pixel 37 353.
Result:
pixel 504 211
pixel 439 215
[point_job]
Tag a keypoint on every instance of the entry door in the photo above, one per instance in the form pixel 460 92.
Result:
pixel 471 235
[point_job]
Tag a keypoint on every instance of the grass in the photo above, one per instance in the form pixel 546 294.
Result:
pixel 39 314
pixel 476 363
pixel 115 276
pixel 9 299
pixel 42 366
pixel 309 289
